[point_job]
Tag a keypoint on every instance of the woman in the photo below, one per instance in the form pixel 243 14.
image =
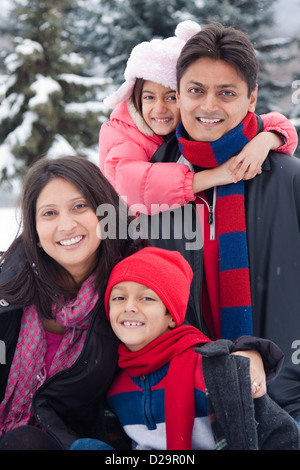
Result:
pixel 61 354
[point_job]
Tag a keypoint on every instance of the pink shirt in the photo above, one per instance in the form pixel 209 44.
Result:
pixel 53 341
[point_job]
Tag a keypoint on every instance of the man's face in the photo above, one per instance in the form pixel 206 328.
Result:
pixel 213 99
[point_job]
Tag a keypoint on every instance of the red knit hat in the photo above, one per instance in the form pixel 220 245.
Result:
pixel 166 272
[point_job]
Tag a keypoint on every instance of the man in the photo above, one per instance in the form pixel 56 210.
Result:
pixel 248 273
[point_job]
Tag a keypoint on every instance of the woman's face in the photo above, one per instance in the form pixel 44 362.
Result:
pixel 67 228
pixel 159 108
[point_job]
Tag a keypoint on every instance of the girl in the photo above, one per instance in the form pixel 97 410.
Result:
pixel 146 116
pixel 61 354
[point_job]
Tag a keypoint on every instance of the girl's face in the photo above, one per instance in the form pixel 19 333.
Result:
pixel 159 108
pixel 67 228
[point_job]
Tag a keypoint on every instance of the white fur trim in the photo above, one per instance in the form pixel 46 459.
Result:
pixel 122 94
pixel 138 119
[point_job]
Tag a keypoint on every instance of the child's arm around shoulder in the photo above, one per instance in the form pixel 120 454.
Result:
pixel 278 134
pixel 277 123
pixel 125 155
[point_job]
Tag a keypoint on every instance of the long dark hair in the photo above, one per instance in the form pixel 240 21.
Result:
pixel 137 95
pixel 39 278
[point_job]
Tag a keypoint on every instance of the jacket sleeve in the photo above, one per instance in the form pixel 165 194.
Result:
pixel 126 164
pixel 271 354
pixel 245 423
pixel 278 123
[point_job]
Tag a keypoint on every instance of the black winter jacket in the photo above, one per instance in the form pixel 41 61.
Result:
pixel 70 404
pixel 238 421
pixel 272 203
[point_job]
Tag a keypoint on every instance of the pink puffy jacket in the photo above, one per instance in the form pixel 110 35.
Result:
pixel 127 145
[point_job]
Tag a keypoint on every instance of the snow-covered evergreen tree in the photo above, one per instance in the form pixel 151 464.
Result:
pixel 121 24
pixel 132 21
pixel 50 106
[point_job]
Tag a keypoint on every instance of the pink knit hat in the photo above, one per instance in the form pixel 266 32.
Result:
pixel 166 272
pixel 154 60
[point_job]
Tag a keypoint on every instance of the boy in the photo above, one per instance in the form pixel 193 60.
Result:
pixel 159 396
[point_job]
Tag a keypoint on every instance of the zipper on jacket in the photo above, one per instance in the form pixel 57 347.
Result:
pixel 211 214
pixel 147 393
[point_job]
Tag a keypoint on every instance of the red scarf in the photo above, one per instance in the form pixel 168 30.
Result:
pixel 235 292
pixel 177 347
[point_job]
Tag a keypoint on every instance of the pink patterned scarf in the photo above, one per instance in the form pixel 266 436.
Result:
pixel 27 371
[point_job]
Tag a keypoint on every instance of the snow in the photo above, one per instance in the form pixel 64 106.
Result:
pixel 83 108
pixel 85 81
pixel 8 226
pixel 23 132
pixel 60 147
pixel 28 47
pixel 7 159
pixel 286 18
pixel 12 62
pixel 10 106
pixel 43 87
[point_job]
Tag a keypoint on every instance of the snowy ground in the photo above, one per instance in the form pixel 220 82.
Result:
pixel 8 226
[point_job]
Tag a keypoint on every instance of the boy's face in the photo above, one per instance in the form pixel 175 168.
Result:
pixel 137 314
pixel 213 99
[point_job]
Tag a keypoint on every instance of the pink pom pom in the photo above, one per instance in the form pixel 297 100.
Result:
pixel 186 29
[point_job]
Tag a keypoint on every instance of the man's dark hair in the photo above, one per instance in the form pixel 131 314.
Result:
pixel 218 42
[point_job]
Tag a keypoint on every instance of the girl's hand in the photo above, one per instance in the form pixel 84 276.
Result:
pixel 248 162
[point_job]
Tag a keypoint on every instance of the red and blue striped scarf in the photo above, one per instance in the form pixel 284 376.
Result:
pixel 235 293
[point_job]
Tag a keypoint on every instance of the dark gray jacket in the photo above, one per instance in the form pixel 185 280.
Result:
pixel 238 421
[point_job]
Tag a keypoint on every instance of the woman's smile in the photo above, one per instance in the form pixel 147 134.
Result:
pixel 67 228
